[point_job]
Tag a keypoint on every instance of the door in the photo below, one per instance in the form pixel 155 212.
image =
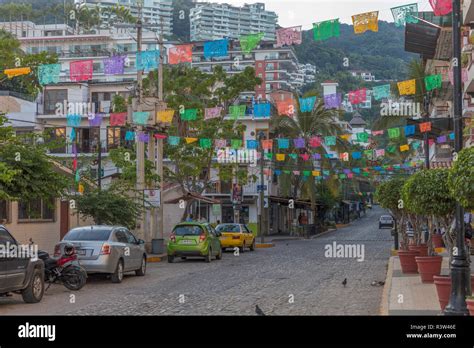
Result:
pixel 127 256
pixel 135 250
pixel 64 219
pixel 3 260
pixel 215 242
pixel 15 265
pixel 248 235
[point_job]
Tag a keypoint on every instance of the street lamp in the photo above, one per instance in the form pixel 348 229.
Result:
pixel 261 136
pixel 460 272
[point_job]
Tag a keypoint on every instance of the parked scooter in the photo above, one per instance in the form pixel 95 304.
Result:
pixel 65 270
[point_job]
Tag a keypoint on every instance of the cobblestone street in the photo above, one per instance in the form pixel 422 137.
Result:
pixel 269 278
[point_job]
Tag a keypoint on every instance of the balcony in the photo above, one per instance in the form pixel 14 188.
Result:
pixel 224 189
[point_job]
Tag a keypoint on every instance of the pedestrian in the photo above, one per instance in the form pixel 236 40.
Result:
pixel 189 218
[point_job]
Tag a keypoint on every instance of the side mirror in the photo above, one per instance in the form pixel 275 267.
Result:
pixel 141 241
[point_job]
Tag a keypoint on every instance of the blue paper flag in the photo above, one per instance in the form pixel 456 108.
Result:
pixel 72 136
pixel 283 143
pixel 129 136
pixel 252 144
pixel 73 120
pixel 173 141
pixel 409 130
pixel 217 48
pixel 147 60
pixel 356 155
pixel 261 110
pixel 307 104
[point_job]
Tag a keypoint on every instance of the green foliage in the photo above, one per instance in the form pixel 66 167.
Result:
pixel 119 104
pixel 426 193
pixel 388 193
pixel 461 178
pixel 109 207
pixel 26 171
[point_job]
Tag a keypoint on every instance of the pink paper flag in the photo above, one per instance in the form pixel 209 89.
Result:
pixel 212 112
pixel 380 152
pixel 288 36
pixel 220 143
pixel 378 132
pixel 81 70
pixel 305 156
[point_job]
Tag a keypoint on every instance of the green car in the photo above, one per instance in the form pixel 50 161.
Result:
pixel 194 239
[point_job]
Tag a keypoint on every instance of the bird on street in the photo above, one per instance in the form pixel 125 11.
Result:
pixel 258 310
pixel 344 282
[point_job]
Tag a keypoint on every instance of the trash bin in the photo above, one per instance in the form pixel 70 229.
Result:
pixel 157 246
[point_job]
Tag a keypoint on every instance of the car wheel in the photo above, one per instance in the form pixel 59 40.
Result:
pixel 209 255
pixel 117 276
pixel 141 271
pixel 170 258
pixel 183 257
pixel 219 256
pixel 242 248
pixel 35 290
pixel 252 247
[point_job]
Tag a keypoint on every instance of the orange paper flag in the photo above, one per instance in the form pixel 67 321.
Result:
pixel 11 73
pixel 190 140
pixel 404 148
pixel 425 127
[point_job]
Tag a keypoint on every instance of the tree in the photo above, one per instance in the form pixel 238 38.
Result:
pixel 461 178
pixel 426 196
pixel 109 207
pixel 26 171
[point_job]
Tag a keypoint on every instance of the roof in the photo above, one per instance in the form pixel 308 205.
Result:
pixel 193 196
pixel 422 38
pixel 357 120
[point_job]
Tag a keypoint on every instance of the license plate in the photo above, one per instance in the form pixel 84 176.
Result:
pixel 187 241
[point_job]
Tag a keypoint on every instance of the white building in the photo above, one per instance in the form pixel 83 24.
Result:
pixel 211 21
pixel 364 75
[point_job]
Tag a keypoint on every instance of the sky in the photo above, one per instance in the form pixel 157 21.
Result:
pixel 305 12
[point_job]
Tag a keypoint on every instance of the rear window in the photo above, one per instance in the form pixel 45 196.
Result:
pixel 228 228
pixel 88 234
pixel 188 230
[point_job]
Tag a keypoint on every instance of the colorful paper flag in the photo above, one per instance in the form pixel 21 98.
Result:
pixel 165 116
pixel 11 73
pixel 305 156
pixel 332 101
pixel 220 143
pixel 269 155
pixel 378 132
pixel 441 139
pixel 330 140
pixel 129 136
pixel 95 121
pixel 299 143
pixel 280 157
pixel 380 152
pixel 356 155
pixel 189 115
pixel 141 117
pixel 283 143
pixel 288 36
pixel 293 155
pixel 236 143
pixel 380 92
pixel 405 14
pixel 143 137
pixel 189 140
pixel 441 7
pixel 237 111
pixel 316 173
pixel 147 60
pixel 366 21
pixel 249 42
pixel 267 144
pixel 252 144
pixel 118 119
pixel 49 73
pixel 362 137
pixel 433 82
pixel 316 156
pixel 173 140
pixel 405 147
pixel 180 54
pixel 358 97
pixel 315 142
pixel 73 120
pixel 114 65
pixel 425 127
pixel 81 70
pixel 72 135
pixel 307 104
pixel 210 113
pixel 205 143
pixel 407 87
pixel 409 130
pixel 261 110
pixel 326 29
pixel 285 107
pixel 217 48
pixel 391 148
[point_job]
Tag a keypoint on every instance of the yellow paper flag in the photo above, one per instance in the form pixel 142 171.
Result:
pixel 366 21
pixel 345 136
pixel 11 73
pixel 280 156
pixel 190 140
pixel 80 188
pixel 316 173
pixel 407 87
pixel 165 116
pixel 404 147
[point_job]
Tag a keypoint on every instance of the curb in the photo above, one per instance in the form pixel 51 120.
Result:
pixel 156 258
pixel 384 305
pixel 264 245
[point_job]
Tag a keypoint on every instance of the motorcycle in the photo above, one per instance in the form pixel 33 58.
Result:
pixel 65 270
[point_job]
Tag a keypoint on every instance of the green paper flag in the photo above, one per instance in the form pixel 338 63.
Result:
pixel 433 82
pixel 415 144
pixel 391 148
pixel 189 115
pixel 380 92
pixel 249 42
pixel 236 143
pixel 286 171
pixel 362 137
pixel 237 111
pixel 368 153
pixel 330 140
pixel 394 132
pixel 306 172
pixel 326 29
pixel 365 174
pixel 269 155
pixel 205 143
pixel 293 155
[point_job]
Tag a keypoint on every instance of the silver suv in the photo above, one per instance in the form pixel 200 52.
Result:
pixel 112 250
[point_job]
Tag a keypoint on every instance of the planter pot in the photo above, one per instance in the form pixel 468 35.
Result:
pixel 437 241
pixel 422 248
pixel 428 266
pixel 407 260
pixel 443 288
pixel 470 306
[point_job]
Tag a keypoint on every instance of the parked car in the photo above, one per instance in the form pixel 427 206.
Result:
pixel 386 221
pixel 194 239
pixel 112 250
pixel 236 235
pixel 22 274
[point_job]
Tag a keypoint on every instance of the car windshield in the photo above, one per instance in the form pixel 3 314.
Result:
pixel 187 230
pixel 88 234
pixel 228 228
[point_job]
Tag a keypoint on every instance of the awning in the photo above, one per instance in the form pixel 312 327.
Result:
pixel 193 196
pixel 421 38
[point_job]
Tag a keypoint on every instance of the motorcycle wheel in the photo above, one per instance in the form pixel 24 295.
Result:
pixel 74 278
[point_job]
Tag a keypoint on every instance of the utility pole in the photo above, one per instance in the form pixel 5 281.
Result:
pixel 460 272
pixel 261 193
pixel 426 142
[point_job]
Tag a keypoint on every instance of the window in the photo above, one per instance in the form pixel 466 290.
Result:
pixel 90 234
pixel 56 137
pixel 37 209
pixel 115 137
pixel 5 237
pixel 131 239
pixel 121 236
pixel 51 98
pixel 4 205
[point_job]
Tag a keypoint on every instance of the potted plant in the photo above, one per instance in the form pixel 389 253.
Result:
pixel 426 195
pixel 470 304
pixel 443 288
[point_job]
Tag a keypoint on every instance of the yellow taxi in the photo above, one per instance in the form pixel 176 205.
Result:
pixel 236 235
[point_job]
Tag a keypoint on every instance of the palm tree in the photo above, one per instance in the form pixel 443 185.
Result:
pixel 319 122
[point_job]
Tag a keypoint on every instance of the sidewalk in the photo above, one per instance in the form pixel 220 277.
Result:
pixel 405 294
